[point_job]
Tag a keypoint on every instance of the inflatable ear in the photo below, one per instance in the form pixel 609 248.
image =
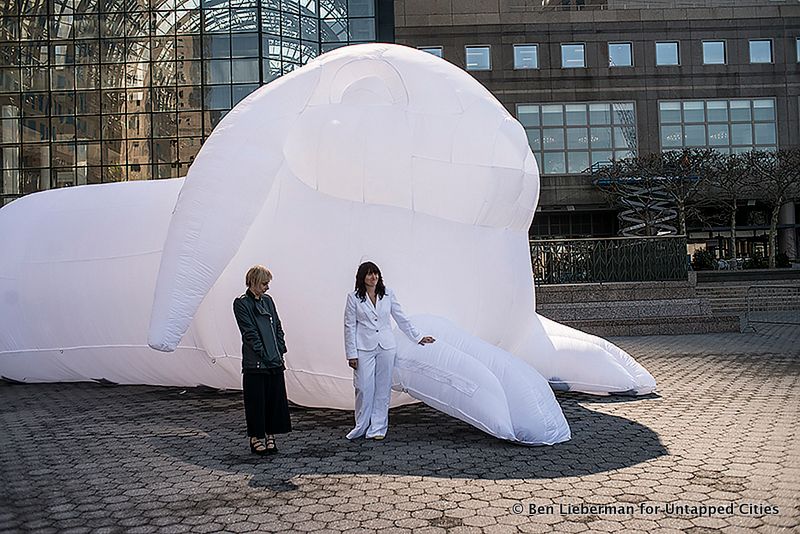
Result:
pixel 224 191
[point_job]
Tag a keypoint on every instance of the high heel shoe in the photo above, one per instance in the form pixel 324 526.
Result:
pixel 271 448
pixel 257 447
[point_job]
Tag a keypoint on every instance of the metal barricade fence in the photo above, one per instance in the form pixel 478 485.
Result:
pixel 773 304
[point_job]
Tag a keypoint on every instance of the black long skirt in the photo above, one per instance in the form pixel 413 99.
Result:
pixel 266 408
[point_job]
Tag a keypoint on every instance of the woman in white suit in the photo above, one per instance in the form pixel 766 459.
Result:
pixel 370 348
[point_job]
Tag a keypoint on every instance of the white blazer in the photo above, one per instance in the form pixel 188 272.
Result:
pixel 366 326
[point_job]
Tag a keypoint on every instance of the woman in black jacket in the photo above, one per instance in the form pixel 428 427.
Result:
pixel 266 408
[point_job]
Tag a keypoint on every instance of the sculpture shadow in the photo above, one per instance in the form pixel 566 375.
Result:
pixel 421 442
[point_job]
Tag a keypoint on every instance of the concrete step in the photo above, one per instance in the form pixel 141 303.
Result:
pixel 630 309
pixel 652 326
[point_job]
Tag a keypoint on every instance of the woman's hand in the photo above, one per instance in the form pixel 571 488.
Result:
pixel 425 340
pixel 353 363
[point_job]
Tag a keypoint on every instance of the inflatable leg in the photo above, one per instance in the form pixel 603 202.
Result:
pixel 572 360
pixel 480 384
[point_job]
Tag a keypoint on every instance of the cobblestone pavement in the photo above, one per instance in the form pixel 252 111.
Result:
pixel 722 431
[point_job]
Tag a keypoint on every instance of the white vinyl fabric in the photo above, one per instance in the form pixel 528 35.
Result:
pixel 370 150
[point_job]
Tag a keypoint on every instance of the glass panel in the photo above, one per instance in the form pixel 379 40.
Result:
pixel 241 91
pixel 526 57
pixel 187 22
pixel 528 115
pixel 216 20
pixel 245 70
pixel 576 114
pixel 763 110
pixel 601 137
pixel 620 55
pixel 693 112
pixel 552 115
pixel 189 98
pixel 62 103
pixel 217 46
pixel 63 154
pixel 361 8
pixel 599 114
pixel 718 134
pixel 62 129
pixel 362 29
pixel 188 149
pixel 577 138
pixel 188 72
pixel 309 29
pixel 87 52
pixel 534 138
pixel 190 124
pixel 9 131
pixel 165 125
pixel 164 73
pixel 244 45
pixel 601 157
pixel 478 58
pixel 10 80
pixel 218 97
pixel 765 133
pixel 553 163
pixel 188 47
pixel 87 127
pixel 553 138
pixel 742 134
pixel 624 137
pixel 290 25
pixel 740 110
pixel 35 78
pixel 434 50
pixel 138 125
pixel 623 113
pixel 218 71
pixel 670 112
pixel 667 53
pixel 165 150
pixel 34 156
pixel 761 51
pixel 572 56
pixel 695 135
pixel 578 162
pixel 671 136
pixel 714 52
pixel 717 110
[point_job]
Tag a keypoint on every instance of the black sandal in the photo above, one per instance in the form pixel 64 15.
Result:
pixel 257 447
pixel 271 448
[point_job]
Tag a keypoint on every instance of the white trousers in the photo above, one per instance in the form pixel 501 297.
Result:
pixel 373 383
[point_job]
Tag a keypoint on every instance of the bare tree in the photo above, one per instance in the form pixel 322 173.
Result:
pixel 778 175
pixel 730 181
pixel 658 192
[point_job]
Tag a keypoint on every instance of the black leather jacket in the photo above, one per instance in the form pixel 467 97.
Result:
pixel 263 345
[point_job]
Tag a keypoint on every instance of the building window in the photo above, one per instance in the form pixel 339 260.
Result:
pixel 526 56
pixel 620 55
pixel 797 49
pixel 479 58
pixel 570 138
pixel 667 53
pixel 713 52
pixel 573 56
pixel 729 126
pixel 435 50
pixel 761 51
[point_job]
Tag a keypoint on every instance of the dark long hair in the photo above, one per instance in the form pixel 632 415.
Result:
pixel 361 288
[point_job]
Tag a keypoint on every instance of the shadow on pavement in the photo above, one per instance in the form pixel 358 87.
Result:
pixel 421 442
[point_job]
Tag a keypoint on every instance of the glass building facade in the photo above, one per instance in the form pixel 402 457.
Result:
pixel 95 91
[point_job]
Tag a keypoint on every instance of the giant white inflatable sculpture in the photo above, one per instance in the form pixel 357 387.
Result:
pixel 371 150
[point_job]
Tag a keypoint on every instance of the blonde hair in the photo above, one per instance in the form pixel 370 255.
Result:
pixel 256 275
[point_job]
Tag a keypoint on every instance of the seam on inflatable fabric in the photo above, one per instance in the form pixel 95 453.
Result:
pixel 148 253
pixel 54 349
pixel 458 382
